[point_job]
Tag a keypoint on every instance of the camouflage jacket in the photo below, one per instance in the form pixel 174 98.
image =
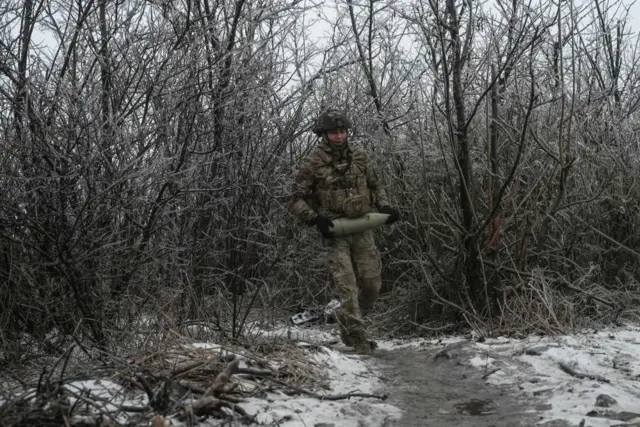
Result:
pixel 325 184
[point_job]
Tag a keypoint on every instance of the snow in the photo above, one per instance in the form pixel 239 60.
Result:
pixel 316 335
pixel 479 361
pixel 203 346
pixel 530 366
pixel 106 395
pixel 344 373
pixel 310 412
pixel 347 374
pixel 418 343
pixel 533 366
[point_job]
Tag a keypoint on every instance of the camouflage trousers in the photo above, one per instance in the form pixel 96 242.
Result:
pixel 355 266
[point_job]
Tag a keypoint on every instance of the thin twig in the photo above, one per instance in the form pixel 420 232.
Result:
pixel 493 371
pixel 569 370
pixel 427 328
pixel 331 397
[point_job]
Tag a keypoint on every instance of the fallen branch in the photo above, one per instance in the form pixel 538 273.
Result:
pixel 331 397
pixel 569 370
pixel 189 385
pixel 223 378
pixel 134 409
pixel 186 367
pixel 261 373
pixel 195 388
pixel 485 376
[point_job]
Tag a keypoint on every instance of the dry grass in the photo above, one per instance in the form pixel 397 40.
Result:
pixel 179 378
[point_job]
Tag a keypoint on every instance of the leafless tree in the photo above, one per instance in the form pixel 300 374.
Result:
pixel 147 151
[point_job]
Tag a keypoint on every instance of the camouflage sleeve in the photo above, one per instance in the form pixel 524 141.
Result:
pixel 301 192
pixel 375 185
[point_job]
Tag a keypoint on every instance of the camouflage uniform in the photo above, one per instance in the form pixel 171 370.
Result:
pixel 325 184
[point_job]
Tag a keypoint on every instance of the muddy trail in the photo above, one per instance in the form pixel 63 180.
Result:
pixel 437 387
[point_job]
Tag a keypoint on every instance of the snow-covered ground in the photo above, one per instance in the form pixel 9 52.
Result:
pixel 347 373
pixel 576 375
pixel 550 368
pixel 573 374
pixel 343 373
pixel 592 376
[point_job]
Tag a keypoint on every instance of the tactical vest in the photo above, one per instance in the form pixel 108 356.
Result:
pixel 341 187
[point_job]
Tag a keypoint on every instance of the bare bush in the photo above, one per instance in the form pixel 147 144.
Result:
pixel 147 152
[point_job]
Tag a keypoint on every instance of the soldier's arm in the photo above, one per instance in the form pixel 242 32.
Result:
pixel 301 192
pixel 375 185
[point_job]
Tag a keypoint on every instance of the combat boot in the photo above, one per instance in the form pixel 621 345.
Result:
pixel 363 348
pixel 344 337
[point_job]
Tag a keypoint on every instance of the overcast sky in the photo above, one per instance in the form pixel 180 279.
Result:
pixel 44 39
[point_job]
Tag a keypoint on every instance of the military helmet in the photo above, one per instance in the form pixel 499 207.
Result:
pixel 331 120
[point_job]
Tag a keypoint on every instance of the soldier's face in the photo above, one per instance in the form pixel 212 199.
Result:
pixel 337 136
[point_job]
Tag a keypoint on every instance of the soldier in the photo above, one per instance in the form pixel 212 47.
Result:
pixel 338 181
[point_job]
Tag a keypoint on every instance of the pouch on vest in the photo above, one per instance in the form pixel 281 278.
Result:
pixel 356 205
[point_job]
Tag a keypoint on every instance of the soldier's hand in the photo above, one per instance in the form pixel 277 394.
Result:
pixel 323 223
pixel 394 215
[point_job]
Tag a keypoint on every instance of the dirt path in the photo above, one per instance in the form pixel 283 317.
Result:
pixel 439 388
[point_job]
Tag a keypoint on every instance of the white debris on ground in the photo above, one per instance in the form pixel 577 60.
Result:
pixel 591 376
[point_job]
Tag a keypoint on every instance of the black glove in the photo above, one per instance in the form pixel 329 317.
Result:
pixel 322 223
pixel 394 215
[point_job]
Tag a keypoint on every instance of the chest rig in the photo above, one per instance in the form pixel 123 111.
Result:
pixel 351 181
